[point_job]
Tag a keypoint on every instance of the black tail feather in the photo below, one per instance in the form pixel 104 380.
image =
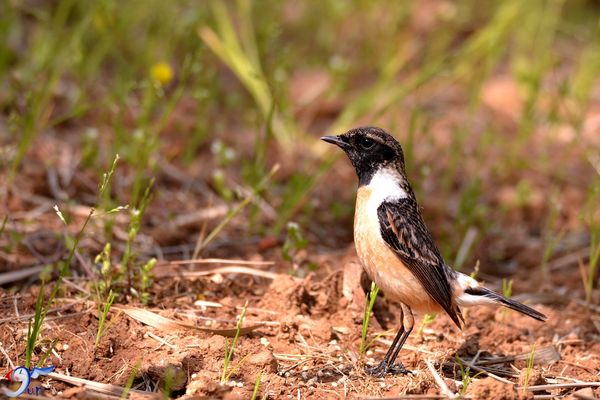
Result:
pixel 512 304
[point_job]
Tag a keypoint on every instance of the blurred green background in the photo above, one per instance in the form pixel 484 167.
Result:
pixel 493 102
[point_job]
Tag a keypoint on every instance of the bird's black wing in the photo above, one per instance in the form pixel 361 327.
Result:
pixel 404 230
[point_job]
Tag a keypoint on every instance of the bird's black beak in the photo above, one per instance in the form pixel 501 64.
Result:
pixel 335 140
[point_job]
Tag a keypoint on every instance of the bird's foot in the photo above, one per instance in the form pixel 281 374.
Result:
pixel 384 368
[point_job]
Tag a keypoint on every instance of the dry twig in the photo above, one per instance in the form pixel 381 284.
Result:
pixel 444 389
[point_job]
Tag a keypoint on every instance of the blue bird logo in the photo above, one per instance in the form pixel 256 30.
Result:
pixel 24 376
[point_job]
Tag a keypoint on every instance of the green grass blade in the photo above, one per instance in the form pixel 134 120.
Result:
pixel 367 316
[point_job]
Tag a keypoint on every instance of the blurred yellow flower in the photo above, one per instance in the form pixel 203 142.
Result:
pixel 161 73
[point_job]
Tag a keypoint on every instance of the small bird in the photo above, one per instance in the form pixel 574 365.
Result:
pixel 395 247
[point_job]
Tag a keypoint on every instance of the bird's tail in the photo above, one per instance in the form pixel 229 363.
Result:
pixel 487 294
pixel 469 292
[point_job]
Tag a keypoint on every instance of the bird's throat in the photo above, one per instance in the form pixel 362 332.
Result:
pixel 386 184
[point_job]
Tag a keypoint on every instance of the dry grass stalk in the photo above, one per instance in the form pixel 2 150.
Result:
pixel 25 317
pixel 17 275
pixel 556 386
pixel 201 215
pixel 160 340
pixel 158 321
pixel 411 397
pixel 220 261
pixel 163 272
pixel 192 315
pixel 5 354
pixel 543 355
pixel 444 389
pixel 486 372
pixel 104 388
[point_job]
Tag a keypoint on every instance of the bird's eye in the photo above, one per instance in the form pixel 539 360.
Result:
pixel 366 143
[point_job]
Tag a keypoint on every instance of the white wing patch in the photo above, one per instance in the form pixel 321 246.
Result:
pixel 462 283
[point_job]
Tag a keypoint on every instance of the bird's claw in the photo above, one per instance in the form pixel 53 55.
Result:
pixel 384 368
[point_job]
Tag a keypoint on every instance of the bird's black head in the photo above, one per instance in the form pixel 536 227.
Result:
pixel 370 149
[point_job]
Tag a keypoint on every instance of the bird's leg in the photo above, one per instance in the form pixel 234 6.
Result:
pixel 386 366
pixel 408 323
pixel 383 367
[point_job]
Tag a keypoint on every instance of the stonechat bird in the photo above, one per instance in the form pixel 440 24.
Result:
pixel 395 247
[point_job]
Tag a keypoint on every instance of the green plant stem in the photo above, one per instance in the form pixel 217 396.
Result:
pixel 530 362
pixel 230 349
pixel 256 386
pixel 102 314
pixel 367 316
pixel 237 209
pixel 130 379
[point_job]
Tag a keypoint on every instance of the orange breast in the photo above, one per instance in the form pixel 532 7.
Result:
pixel 381 263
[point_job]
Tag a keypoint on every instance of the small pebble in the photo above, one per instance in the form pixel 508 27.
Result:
pixel 305 368
pixel 65 346
pixel 194 376
pixel 341 329
pixel 334 384
pixel 369 353
pixel 264 341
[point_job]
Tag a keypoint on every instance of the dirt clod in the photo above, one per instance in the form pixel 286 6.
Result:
pixel 170 375
pixel 489 388
pixel 531 378
pixel 264 361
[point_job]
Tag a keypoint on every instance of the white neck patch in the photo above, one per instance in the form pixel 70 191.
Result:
pixel 385 185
